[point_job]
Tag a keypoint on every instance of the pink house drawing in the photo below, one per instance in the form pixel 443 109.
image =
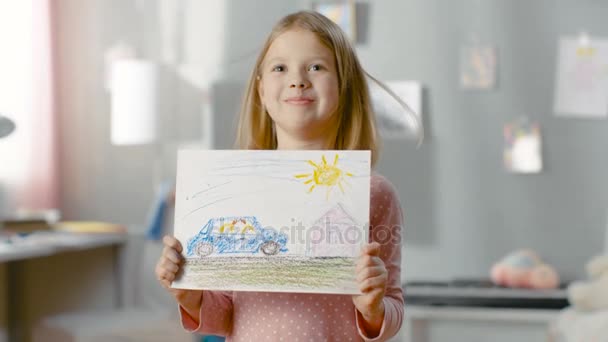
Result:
pixel 335 234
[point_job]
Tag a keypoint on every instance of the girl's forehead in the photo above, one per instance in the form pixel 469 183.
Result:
pixel 297 42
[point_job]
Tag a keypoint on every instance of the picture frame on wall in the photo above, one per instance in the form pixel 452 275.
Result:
pixel 342 13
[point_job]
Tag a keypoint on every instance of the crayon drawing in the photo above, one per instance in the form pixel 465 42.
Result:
pixel 235 235
pixel 256 220
pixel 325 175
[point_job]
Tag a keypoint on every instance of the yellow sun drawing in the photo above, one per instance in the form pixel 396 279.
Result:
pixel 325 175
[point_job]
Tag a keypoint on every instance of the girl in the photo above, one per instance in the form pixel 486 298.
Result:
pixel 307 91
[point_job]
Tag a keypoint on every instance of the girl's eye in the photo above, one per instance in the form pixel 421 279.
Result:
pixel 315 67
pixel 278 68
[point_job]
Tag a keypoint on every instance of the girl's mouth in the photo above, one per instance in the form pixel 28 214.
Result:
pixel 299 100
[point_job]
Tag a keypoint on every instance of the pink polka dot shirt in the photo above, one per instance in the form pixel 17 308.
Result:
pixel 264 316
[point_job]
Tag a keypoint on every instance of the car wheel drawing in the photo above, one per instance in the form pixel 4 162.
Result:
pixel 270 248
pixel 204 249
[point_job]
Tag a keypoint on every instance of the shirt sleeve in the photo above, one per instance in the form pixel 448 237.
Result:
pixel 386 220
pixel 215 315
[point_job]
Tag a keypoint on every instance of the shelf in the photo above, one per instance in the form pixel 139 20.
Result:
pixel 417 312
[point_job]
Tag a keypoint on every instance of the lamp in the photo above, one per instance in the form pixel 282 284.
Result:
pixel 134 84
pixel 135 101
pixel 7 126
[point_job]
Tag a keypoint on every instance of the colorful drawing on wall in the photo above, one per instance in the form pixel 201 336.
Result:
pixel 341 13
pixel 395 121
pixel 324 174
pixel 478 67
pixel 523 153
pixel 581 88
pixel 255 220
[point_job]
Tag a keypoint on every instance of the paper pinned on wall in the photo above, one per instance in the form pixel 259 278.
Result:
pixel 478 67
pixel 393 120
pixel 282 221
pixel 522 152
pixel 342 13
pixel 581 88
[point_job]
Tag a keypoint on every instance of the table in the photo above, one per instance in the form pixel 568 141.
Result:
pixel 48 244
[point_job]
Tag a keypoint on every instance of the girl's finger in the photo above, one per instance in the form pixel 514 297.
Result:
pixel 170 266
pixel 371 249
pixel 172 242
pixel 368 261
pixel 166 284
pixel 172 255
pixel 370 272
pixel 363 262
pixel 166 275
pixel 158 270
pixel 371 284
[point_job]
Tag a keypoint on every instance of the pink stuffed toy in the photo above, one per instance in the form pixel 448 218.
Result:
pixel 524 269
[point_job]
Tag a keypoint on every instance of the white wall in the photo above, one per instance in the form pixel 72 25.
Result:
pixel 464 210
pixel 99 181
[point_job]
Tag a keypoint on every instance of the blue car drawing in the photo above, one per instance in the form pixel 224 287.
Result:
pixel 233 235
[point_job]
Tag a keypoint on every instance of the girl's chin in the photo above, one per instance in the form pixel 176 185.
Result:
pixel 301 132
pixel 300 124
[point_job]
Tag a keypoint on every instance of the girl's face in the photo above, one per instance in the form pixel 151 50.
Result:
pixel 299 85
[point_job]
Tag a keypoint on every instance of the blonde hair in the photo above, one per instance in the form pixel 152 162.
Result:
pixel 356 126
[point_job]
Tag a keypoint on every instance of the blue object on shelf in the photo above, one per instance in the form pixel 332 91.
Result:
pixel 157 217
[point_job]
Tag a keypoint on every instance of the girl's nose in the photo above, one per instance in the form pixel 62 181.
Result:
pixel 298 85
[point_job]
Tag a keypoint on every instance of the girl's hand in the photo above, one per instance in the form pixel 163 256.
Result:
pixel 371 276
pixel 168 267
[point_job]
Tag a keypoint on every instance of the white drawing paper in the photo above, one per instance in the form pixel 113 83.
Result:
pixel 283 221
pixel 523 148
pixel 581 88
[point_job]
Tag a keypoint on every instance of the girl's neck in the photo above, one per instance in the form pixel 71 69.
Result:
pixel 304 144
pixel 286 142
